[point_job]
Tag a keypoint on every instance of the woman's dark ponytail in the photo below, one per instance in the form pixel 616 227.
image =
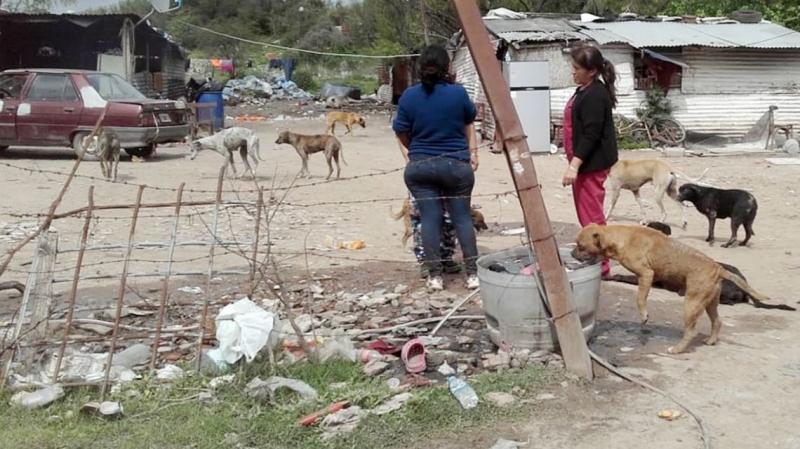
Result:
pixel 610 78
pixel 434 65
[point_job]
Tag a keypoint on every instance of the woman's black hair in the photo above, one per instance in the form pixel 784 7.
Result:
pixel 434 66
pixel 589 57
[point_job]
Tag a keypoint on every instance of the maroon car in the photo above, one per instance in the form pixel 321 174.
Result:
pixel 58 107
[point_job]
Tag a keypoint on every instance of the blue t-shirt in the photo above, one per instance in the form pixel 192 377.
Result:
pixel 435 121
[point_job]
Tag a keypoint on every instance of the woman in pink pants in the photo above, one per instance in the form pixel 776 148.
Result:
pixel 590 140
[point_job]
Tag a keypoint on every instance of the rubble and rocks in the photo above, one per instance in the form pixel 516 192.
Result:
pixel 258 91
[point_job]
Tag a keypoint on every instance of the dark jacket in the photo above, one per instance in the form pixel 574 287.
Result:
pixel 593 135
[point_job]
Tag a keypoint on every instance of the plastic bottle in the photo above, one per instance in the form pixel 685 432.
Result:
pixel 368 355
pixel 463 392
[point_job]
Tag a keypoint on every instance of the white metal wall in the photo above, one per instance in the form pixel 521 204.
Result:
pixel 725 92
pixel 729 71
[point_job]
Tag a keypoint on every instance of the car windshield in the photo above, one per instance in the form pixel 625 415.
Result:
pixel 113 87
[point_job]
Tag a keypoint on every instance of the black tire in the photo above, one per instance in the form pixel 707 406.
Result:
pixel 143 152
pixel 746 16
pixel 77 146
pixel 3 147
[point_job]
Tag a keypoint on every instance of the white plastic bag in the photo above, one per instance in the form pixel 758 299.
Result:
pixel 243 329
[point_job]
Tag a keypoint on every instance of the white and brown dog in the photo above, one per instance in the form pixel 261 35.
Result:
pixel 226 142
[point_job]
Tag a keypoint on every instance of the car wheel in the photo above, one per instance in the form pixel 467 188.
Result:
pixel 3 147
pixel 77 146
pixel 144 152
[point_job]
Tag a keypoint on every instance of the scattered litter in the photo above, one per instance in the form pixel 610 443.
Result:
pixel 217 381
pixel 502 443
pixel 38 398
pixel 212 361
pixel 515 231
pixel 446 370
pixel 626 349
pixel 316 416
pixel 107 408
pixel 393 383
pixel 392 404
pixel 193 290
pixel 669 415
pixel 243 329
pixel 169 372
pixel 265 389
pixel 134 355
pixel 463 392
pixel 340 422
pixel 346 419
pixel 353 244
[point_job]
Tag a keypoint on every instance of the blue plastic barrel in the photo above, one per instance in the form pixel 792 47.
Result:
pixel 217 114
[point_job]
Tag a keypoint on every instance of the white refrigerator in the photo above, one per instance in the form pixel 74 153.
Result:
pixel 529 82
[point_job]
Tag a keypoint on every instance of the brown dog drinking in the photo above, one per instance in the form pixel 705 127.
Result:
pixel 651 255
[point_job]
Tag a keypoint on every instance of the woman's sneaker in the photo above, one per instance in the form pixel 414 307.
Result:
pixel 435 284
pixel 473 282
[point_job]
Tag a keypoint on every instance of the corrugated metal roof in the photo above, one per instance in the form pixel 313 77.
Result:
pixel 673 34
pixel 534 29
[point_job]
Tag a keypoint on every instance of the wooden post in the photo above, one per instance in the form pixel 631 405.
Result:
pixel 556 285
pixel 36 299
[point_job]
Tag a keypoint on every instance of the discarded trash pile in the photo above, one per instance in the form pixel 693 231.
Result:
pixel 256 91
pixel 390 332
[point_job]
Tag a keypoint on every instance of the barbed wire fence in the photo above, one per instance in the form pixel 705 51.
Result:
pixel 232 230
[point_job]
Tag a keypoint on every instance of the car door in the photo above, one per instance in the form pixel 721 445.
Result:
pixel 11 86
pixel 49 111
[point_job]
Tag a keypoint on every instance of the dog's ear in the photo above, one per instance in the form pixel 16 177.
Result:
pixel 599 240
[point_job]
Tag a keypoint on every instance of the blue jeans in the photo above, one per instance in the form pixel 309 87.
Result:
pixel 429 180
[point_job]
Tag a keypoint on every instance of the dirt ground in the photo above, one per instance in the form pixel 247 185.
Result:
pixel 745 388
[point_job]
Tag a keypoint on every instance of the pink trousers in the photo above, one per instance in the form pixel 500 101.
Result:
pixel 589 194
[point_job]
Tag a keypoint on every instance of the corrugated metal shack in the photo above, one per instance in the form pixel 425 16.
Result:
pixel 721 76
pixel 108 42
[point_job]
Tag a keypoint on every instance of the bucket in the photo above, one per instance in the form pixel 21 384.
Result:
pixel 513 306
pixel 217 114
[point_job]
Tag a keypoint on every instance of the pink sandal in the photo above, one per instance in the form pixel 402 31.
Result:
pixel 413 356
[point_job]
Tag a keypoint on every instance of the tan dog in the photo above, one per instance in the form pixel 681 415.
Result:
pixel 348 119
pixel 633 174
pixel 477 220
pixel 651 255
pixel 308 145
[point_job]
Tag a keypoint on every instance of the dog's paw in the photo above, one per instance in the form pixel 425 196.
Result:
pixel 643 317
pixel 671 350
pixel 710 341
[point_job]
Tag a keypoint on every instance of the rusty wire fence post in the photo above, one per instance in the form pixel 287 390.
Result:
pixel 121 295
pixel 207 300
pixel 162 307
pixel 254 261
pixel 75 280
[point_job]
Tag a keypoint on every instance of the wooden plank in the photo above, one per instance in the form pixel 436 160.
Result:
pixel 37 297
pixel 559 294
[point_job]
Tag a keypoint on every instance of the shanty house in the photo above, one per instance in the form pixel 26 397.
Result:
pixel 721 76
pixel 116 43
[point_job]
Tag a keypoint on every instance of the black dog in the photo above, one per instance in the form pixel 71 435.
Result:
pixel 738 205
pixel 658 226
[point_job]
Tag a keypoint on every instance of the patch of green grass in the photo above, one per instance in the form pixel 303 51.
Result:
pixel 153 420
pixel 627 143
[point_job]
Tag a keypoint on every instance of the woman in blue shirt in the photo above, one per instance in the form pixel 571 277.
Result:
pixel 435 121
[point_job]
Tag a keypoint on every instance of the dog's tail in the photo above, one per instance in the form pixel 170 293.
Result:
pixel 403 212
pixel 741 283
pixel 255 148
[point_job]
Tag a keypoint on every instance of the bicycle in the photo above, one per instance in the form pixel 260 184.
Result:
pixel 666 131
